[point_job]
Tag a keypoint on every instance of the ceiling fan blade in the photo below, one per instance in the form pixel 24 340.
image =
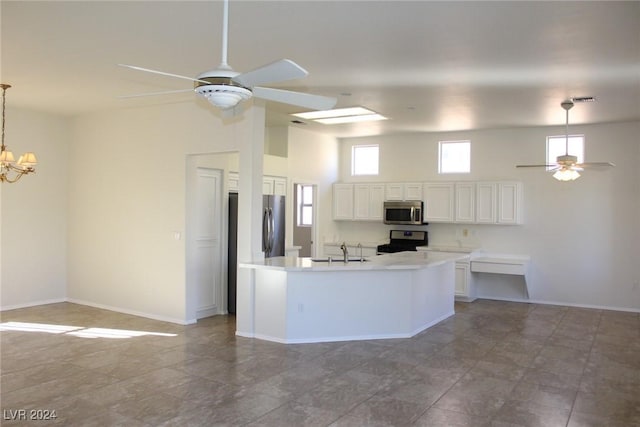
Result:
pixel 307 100
pixel 594 164
pixel 536 166
pixel 278 71
pixel 162 73
pixel 164 92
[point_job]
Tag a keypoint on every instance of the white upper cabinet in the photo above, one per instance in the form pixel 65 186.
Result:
pixel 403 191
pixel 342 201
pixel 234 181
pixel 394 191
pixel 486 202
pixel 510 203
pixel 438 201
pixel 499 202
pixel 367 201
pixel 465 206
pixel 274 185
pixel 466 202
pixel 413 191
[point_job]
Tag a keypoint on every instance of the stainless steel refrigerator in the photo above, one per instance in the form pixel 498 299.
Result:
pixel 272 238
pixel 273 226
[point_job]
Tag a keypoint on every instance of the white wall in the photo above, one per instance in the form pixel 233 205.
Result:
pixel 583 237
pixel 313 160
pixel 127 195
pixel 33 222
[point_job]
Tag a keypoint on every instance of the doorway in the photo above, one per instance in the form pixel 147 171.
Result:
pixel 304 218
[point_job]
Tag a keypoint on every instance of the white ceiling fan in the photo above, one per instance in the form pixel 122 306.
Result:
pixel 567 167
pixel 225 88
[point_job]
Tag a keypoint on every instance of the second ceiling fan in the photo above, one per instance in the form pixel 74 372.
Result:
pixel 567 167
pixel 226 88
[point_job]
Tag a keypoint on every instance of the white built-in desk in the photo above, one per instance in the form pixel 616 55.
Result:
pixel 502 264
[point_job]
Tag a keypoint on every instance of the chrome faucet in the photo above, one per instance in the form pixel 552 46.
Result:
pixel 345 252
pixel 360 247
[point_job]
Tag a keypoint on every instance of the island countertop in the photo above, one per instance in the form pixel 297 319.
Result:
pixel 394 261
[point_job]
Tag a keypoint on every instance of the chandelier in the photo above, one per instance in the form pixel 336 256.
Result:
pixel 10 170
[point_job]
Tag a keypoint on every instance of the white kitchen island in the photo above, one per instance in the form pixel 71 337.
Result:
pixel 297 300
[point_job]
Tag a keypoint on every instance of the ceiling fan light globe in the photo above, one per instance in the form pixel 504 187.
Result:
pixel 566 175
pixel 223 96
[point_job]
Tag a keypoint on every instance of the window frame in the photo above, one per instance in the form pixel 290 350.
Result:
pixel 302 205
pixel 354 159
pixel 571 151
pixel 441 145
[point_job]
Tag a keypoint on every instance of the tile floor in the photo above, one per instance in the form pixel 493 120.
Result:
pixel 493 363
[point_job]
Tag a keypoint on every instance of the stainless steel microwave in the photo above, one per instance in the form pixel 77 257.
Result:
pixel 403 212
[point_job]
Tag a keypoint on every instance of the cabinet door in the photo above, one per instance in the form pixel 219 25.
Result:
pixel 394 191
pixel 462 284
pixel 465 202
pixel 342 201
pixel 509 201
pixel 438 202
pixel 234 181
pixel 267 186
pixel 486 202
pixel 376 200
pixel 280 186
pixel 413 191
pixel 361 204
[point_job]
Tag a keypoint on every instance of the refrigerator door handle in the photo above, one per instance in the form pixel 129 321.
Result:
pixel 272 226
pixel 265 230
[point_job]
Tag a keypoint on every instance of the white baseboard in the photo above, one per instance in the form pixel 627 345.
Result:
pixel 133 312
pixel 563 303
pixel 32 304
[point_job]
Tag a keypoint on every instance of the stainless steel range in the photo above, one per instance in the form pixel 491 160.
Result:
pixel 404 240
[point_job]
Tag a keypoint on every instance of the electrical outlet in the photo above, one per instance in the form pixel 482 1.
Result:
pixel 301 308
pixel 465 232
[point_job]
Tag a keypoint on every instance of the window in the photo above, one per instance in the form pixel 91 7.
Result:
pixel 305 205
pixel 364 160
pixel 454 157
pixel 557 146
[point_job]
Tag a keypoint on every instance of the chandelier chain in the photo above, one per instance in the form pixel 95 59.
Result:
pixel 4 91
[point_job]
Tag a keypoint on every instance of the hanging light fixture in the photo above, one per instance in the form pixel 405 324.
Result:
pixel 10 170
pixel 567 167
pixel 568 171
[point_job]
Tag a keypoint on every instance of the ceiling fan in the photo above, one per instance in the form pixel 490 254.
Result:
pixel 226 88
pixel 567 167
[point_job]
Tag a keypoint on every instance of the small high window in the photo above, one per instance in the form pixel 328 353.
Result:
pixel 560 145
pixel 454 157
pixel 364 160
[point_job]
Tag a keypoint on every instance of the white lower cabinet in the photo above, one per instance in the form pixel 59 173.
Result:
pixel 465 289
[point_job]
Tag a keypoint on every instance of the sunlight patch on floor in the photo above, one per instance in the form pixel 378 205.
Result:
pixel 78 331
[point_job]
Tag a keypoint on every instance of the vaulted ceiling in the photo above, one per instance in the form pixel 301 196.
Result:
pixel 427 66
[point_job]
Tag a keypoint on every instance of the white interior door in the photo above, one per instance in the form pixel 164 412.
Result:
pixel 207 242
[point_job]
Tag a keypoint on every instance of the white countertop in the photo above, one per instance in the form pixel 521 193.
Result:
pixel 395 261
